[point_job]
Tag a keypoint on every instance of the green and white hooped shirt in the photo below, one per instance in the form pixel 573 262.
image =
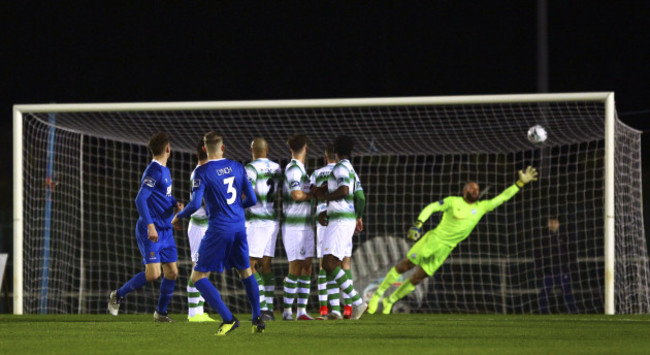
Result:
pixel 200 217
pixel 318 178
pixel 265 176
pixel 343 174
pixel 297 215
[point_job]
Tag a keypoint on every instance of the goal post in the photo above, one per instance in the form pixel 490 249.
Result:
pixel 391 135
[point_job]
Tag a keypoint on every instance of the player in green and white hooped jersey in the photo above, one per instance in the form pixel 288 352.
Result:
pixel 342 223
pixel 359 209
pixel 195 232
pixel 460 216
pixel 262 224
pixel 319 178
pixel 297 232
pixel 329 290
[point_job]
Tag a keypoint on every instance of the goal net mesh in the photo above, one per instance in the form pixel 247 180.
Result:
pixel 82 172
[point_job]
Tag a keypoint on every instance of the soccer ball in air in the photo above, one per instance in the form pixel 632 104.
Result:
pixel 537 134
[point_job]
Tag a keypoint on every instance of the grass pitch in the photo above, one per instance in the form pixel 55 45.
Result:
pixel 373 334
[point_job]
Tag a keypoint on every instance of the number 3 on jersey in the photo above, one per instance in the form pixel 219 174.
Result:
pixel 231 190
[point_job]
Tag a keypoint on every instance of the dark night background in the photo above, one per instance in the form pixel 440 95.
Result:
pixel 97 51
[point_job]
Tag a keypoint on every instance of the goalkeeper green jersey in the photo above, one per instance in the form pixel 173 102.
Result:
pixel 459 217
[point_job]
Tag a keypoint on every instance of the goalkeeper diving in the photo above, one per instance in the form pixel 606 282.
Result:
pixel 460 216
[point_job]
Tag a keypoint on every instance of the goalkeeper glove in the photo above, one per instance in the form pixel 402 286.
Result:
pixel 415 232
pixel 525 177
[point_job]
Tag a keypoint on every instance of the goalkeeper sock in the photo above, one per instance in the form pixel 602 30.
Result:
pixel 345 285
pixel 137 281
pixel 213 298
pixel 289 291
pixel 322 288
pixel 269 289
pixel 166 291
pixel 304 284
pixel 194 300
pixel 253 293
pixel 389 279
pixel 406 288
pixel 260 283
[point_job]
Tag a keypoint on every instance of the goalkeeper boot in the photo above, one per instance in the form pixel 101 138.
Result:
pixel 162 318
pixel 387 306
pixel 258 325
pixel 357 311
pixel 226 328
pixel 114 303
pixel 373 303
pixel 203 317
pixel 323 310
pixel 347 311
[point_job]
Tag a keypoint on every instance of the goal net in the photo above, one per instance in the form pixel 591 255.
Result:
pixel 78 170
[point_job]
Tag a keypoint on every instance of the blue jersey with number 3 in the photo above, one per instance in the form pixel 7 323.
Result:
pixel 225 188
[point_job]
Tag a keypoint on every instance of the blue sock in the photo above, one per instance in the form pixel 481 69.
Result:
pixel 166 291
pixel 135 283
pixel 253 293
pixel 213 298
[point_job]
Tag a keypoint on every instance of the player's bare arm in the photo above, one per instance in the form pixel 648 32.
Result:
pixel 152 233
pixel 340 193
pixel 298 195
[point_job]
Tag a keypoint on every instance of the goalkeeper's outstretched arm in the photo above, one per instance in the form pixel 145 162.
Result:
pixel 525 177
pixel 415 232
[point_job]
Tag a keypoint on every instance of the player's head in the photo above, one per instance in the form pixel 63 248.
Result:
pixel 343 146
pixel 259 148
pixel 297 143
pixel 159 144
pixel 330 154
pixel 553 224
pixel 213 143
pixel 200 151
pixel 470 191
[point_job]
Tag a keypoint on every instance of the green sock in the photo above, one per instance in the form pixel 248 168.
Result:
pixel 290 283
pixel 347 300
pixel 406 288
pixel 322 288
pixel 389 279
pixel 260 283
pixel 345 284
pixel 269 289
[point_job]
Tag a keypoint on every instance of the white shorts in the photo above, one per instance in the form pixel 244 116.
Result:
pixel 337 239
pixel 298 243
pixel 320 233
pixel 262 238
pixel 195 234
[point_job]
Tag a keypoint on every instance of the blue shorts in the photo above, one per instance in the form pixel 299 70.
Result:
pixel 221 250
pixel 164 251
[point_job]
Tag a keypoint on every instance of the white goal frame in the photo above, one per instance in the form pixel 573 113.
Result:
pixel 607 98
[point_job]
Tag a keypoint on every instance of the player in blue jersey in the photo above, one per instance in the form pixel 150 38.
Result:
pixel 224 186
pixel 153 231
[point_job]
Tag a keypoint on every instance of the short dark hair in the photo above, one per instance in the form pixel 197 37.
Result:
pixel 200 153
pixel 329 151
pixel 343 146
pixel 297 142
pixel 158 142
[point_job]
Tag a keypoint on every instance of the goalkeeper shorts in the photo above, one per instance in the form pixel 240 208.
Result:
pixel 429 253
